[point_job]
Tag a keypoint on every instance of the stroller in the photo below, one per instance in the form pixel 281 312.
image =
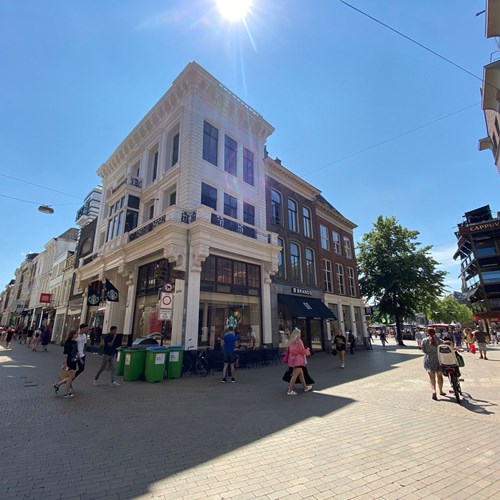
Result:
pixel 447 358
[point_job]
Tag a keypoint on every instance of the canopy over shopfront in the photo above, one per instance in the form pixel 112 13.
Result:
pixel 305 307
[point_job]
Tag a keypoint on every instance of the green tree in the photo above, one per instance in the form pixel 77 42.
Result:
pixel 449 310
pixel 398 275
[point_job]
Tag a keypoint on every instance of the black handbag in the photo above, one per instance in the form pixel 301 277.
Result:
pixel 334 352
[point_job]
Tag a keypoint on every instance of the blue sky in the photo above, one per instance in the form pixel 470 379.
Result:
pixel 78 76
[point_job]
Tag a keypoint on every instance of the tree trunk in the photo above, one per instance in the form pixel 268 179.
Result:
pixel 399 330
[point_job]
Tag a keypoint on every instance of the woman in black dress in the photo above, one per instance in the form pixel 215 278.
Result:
pixel 70 364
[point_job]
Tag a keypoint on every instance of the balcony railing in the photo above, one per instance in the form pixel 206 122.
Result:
pixel 85 210
pixel 129 181
pixel 150 226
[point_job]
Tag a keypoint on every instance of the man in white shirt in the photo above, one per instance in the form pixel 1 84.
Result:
pixel 81 340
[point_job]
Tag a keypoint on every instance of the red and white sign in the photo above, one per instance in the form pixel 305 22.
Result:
pixel 45 298
pixel 166 301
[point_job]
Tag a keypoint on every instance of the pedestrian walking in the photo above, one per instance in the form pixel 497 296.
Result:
pixel 45 337
pixel 29 336
pixel 383 338
pixel 352 342
pixel 469 339
pixel 228 344
pixel 339 344
pixel 81 340
pixel 8 338
pixel 109 356
pixel 419 336
pixel 431 362
pixel 35 340
pixel 23 335
pixel 70 365
pixel 481 338
pixel 297 360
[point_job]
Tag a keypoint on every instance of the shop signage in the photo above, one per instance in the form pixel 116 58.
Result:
pixel 479 227
pixel 175 274
pixel 301 291
pixel 45 298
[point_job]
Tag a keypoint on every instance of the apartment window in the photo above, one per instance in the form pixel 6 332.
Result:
pixel 347 248
pixel 295 271
pixel 208 196
pixel 352 282
pixel 281 259
pixel 122 217
pixel 336 242
pixel 230 206
pixel 310 267
pixel 210 143
pixel 175 149
pixel 152 210
pixel 276 207
pixel 325 240
pixel 173 198
pixel 327 276
pixel 249 214
pixel 230 150
pixel 292 215
pixel 340 279
pixel 248 173
pixel 306 221
pixel 154 166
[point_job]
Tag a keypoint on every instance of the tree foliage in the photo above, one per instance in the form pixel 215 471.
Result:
pixel 396 274
pixel 449 310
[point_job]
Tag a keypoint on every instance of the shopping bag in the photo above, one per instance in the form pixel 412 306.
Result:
pixel 460 360
pixel 473 349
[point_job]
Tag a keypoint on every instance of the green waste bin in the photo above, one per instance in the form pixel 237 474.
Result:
pixel 174 361
pixel 120 361
pixel 154 369
pixel 135 360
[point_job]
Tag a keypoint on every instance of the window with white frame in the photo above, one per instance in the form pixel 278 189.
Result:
pixel 310 267
pixel 347 247
pixel 248 213
pixel 230 154
pixel 327 276
pixel 175 149
pixel 123 216
pixel 306 221
pixel 324 238
pixel 248 169
pixel 292 215
pixel 340 279
pixel 153 164
pixel 208 196
pixel 281 259
pixel 230 206
pixel 276 207
pixel 336 242
pixel 210 143
pixel 352 282
pixel 295 268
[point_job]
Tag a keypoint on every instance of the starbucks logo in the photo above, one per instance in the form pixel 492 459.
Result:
pixel 112 295
pixel 93 300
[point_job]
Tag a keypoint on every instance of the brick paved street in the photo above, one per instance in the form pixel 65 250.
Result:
pixel 369 431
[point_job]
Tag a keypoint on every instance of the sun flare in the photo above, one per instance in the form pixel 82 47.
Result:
pixel 234 10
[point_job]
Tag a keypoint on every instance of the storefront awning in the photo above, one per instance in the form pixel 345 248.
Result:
pixel 305 307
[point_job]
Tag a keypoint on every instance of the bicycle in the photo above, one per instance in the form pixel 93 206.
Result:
pixel 449 366
pixel 195 362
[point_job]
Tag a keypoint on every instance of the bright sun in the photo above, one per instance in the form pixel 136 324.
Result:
pixel 234 10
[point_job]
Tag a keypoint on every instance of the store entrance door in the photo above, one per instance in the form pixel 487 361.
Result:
pixel 312 333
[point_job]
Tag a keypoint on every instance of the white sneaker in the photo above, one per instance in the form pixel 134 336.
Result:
pixel 291 393
pixel 95 382
pixel 308 388
pixel 115 384
pixel 342 365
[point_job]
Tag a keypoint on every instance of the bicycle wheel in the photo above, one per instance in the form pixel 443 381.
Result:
pixel 455 384
pixel 202 367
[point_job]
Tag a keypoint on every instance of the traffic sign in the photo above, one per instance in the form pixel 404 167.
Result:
pixel 165 314
pixel 168 287
pixel 166 300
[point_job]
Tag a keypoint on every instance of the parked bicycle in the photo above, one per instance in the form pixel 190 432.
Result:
pixel 194 362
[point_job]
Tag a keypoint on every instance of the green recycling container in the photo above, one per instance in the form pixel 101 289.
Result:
pixel 134 364
pixel 120 361
pixel 174 361
pixel 154 369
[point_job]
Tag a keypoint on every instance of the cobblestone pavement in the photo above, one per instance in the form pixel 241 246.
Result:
pixel 370 430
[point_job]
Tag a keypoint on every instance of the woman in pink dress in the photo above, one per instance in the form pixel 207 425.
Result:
pixel 297 359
